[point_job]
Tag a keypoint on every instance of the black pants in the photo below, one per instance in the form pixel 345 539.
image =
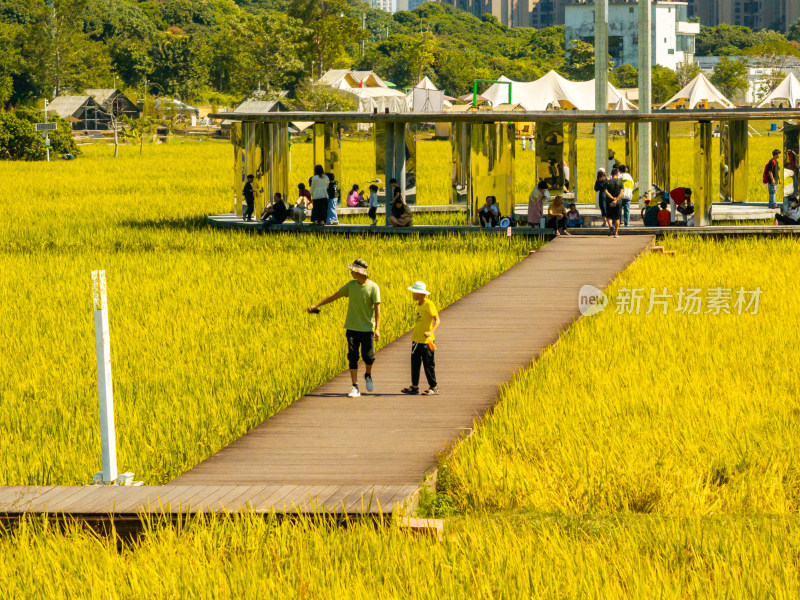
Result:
pixel 783 220
pixel 271 219
pixel 373 212
pixel 421 355
pixel 319 210
pixel 557 223
pixel 359 341
pixel 248 212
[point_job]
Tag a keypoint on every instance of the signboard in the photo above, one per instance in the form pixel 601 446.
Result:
pixel 46 126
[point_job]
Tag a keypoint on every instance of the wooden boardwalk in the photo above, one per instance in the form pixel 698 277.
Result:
pixel 365 454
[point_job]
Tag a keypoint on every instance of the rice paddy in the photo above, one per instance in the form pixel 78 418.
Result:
pixel 643 455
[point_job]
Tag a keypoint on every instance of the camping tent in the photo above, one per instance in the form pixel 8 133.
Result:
pixel 787 91
pixel 426 97
pixel 551 91
pixel 371 99
pixel 342 79
pixel 699 92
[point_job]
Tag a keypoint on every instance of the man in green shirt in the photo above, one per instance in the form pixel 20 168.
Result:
pixel 363 321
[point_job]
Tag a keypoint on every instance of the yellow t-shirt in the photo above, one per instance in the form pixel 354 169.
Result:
pixel 425 313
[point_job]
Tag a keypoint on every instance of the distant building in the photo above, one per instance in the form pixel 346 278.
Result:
pixel 83 113
pixel 389 6
pixel 755 14
pixel 114 102
pixel 673 37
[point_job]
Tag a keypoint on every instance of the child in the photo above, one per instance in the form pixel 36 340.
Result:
pixel 664 216
pixel 373 204
pixel 422 346
pixel 574 217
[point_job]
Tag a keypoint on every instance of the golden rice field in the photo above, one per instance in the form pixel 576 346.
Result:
pixel 209 330
pixel 641 456
pixel 676 414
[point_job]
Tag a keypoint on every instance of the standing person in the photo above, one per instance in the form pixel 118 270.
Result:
pixel 422 346
pixel 362 324
pixel 600 188
pixel 373 204
pixel 319 196
pixel 772 177
pixel 249 196
pixel 613 198
pixel 333 199
pixel 536 200
pixel 627 194
pixel 557 216
pixel 565 170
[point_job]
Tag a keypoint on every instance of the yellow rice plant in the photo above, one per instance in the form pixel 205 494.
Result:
pixel 679 414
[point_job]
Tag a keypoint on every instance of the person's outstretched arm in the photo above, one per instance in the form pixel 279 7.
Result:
pixel 327 300
pixel 377 333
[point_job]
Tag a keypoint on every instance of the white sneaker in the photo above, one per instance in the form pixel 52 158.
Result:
pixel 354 392
pixel 370 383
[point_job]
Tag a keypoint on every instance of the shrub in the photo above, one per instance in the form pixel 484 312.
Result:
pixel 18 139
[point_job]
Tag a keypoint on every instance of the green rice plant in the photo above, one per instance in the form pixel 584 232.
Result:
pixel 680 414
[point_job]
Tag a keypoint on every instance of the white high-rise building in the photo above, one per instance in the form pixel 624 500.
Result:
pixel 389 6
pixel 672 37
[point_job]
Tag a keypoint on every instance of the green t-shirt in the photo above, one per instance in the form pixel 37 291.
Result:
pixel 361 307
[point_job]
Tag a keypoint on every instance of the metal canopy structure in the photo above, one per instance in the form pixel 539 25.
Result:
pixel 484 150
pixel 564 116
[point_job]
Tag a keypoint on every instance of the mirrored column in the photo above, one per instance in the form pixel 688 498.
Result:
pixel 733 170
pixel 702 193
pixel 238 174
pixel 791 161
pixel 571 173
pixel 632 150
pixel 661 155
pixel 550 155
pixel 492 152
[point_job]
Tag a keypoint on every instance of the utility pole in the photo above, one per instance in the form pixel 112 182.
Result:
pixel 601 82
pixel 645 98
pixel 47 133
pixel 363 31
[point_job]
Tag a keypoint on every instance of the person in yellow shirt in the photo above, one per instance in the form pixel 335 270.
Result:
pixel 422 346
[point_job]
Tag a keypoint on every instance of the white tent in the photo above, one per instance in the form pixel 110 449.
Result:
pixel 426 97
pixel 624 104
pixel 787 91
pixel 371 99
pixel 551 91
pixel 699 92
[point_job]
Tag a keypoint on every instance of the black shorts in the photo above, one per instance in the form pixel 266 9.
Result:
pixel 359 341
pixel 612 212
pixel 372 212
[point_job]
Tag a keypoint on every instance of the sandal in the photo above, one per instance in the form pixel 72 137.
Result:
pixel 431 392
pixel 411 390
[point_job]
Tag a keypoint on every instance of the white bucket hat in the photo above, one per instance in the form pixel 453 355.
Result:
pixel 419 288
pixel 358 266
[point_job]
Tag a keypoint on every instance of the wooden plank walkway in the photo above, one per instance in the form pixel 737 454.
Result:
pixel 327 451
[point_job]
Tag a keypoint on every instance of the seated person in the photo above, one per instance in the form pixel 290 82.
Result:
pixel 303 192
pixel 557 216
pixel 686 209
pixel 574 217
pixel 792 217
pixel 401 213
pixel 650 213
pixel 276 213
pixel 664 216
pixel 354 197
pixel 488 214
pixel 301 208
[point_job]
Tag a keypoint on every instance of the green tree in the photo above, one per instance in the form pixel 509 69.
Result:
pixel 19 139
pixel 730 77
pixel 686 72
pixel 456 69
pixel 317 98
pixel 664 84
pixel 794 32
pixel 177 67
pixel 579 65
pixel 331 26
pixel 61 140
pixel 625 76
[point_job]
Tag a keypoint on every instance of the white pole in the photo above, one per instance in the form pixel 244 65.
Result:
pixel 102 338
pixel 645 98
pixel 601 82
pixel 46 133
